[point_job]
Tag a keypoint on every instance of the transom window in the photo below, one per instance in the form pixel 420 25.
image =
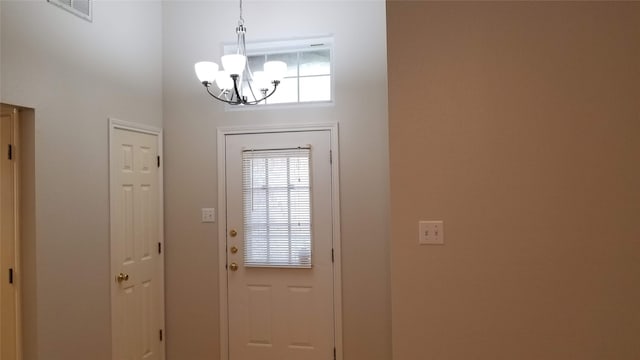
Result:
pixel 309 69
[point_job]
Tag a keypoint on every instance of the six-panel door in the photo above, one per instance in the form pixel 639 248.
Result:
pixel 280 269
pixel 136 259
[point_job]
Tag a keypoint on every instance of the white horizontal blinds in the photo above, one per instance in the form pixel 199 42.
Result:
pixel 277 207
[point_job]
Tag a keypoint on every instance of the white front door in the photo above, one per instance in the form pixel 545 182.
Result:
pixel 279 243
pixel 137 281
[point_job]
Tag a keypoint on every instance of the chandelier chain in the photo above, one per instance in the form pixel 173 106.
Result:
pixel 241 20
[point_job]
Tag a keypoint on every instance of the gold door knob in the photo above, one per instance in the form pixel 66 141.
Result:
pixel 233 267
pixel 233 249
pixel 233 233
pixel 122 277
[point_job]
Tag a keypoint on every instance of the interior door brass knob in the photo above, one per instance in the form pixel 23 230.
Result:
pixel 233 267
pixel 233 233
pixel 233 249
pixel 122 277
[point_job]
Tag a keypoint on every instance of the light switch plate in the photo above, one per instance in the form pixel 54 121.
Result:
pixel 208 215
pixel 431 232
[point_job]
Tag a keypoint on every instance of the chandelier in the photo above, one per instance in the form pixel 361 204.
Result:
pixel 236 72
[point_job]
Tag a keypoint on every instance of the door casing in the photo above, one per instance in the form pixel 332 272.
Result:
pixel 222 221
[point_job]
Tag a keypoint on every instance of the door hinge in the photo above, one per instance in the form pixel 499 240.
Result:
pixel 158 160
pixel 332 256
pixel 10 152
pixel 159 248
pixel 10 275
pixel 330 156
pixel 335 355
pixel 160 334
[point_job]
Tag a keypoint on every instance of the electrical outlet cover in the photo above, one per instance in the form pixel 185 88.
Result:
pixel 208 215
pixel 431 232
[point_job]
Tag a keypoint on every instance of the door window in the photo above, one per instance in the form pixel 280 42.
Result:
pixel 277 207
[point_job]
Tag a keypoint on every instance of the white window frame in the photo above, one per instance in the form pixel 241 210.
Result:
pixel 284 47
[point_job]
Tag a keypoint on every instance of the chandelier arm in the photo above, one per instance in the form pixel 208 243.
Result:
pixel 256 102
pixel 251 90
pixel 208 87
pixel 243 41
pixel 275 86
pixel 239 35
pixel 240 100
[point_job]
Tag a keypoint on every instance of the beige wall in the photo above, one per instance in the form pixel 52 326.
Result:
pixel 75 74
pixel 194 31
pixel 517 124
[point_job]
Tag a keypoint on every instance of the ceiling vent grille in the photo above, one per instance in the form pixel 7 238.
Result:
pixel 80 8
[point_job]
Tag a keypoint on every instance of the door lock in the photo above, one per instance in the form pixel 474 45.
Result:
pixel 122 277
pixel 233 249
pixel 233 233
pixel 233 267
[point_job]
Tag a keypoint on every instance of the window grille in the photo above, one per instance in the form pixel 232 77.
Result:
pixel 309 69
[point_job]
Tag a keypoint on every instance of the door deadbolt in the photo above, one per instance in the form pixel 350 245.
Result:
pixel 233 233
pixel 233 267
pixel 233 249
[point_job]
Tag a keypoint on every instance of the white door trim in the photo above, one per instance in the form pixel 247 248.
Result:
pixel 222 221
pixel 147 129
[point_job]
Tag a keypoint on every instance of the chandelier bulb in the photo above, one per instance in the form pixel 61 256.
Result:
pixel 206 71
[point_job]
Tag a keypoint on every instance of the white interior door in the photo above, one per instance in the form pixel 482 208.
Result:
pixel 280 246
pixel 137 289
pixel 9 314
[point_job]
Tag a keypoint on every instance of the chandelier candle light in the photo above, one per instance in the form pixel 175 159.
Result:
pixel 237 71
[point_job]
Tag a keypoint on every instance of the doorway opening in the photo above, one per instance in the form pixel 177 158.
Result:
pixel 17 230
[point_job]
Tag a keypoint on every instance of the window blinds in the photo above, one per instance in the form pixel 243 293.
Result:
pixel 277 207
